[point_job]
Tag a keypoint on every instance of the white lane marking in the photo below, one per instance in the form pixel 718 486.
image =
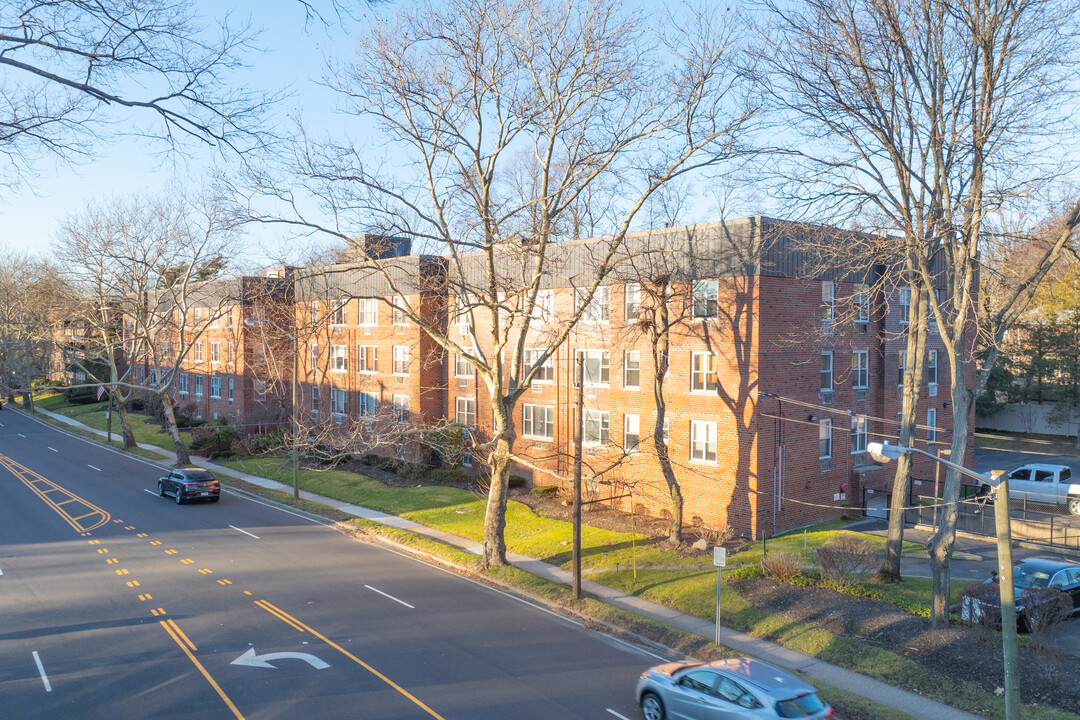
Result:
pixel 1 571
pixel 390 596
pixel 41 671
pixel 617 714
pixel 150 491
pixel 21 435
pixel 243 531
pixel 53 449
pixel 92 467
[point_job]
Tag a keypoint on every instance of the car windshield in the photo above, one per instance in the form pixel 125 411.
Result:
pixel 1026 577
pixel 198 475
pixel 801 706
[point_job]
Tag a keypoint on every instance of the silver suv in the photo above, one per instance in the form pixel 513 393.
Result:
pixel 732 688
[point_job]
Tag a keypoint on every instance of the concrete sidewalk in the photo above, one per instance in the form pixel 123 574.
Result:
pixel 915 705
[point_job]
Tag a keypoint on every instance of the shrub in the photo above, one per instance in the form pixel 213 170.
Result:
pixel 82 395
pixel 542 490
pixel 846 559
pixel 782 566
pixel 744 572
pixel 515 481
pixel 1044 609
pixel 448 475
pixel 980 605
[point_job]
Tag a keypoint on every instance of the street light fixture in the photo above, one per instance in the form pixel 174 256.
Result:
pixel 999 480
pixel 295 405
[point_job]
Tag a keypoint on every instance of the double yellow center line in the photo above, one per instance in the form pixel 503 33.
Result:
pixel 81 514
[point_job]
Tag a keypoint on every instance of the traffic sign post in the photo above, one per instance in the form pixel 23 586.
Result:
pixel 719 558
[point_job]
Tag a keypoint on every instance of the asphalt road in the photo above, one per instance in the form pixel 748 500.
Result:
pixel 117 603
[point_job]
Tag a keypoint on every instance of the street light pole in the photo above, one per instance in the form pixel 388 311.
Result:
pixel 1000 482
pixel 295 413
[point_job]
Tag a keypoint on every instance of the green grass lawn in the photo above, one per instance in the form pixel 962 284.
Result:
pixel 146 431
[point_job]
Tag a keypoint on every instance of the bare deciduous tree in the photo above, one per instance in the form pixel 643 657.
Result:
pixel 924 118
pixel 511 126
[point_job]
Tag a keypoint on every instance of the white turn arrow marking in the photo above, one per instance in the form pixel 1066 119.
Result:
pixel 250 659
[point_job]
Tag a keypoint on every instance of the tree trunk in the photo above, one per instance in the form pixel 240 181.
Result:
pixel 661 349
pixel 889 572
pixel 940 545
pixel 182 457
pixel 495 516
pixel 125 424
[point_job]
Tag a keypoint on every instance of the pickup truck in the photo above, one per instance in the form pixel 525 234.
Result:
pixel 1049 484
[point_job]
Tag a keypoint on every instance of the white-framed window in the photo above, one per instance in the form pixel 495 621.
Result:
pixel 632 369
pixel 165 350
pixel 858 434
pixel 706 299
pixel 369 311
pixel 401 360
pixel 824 439
pixel 197 315
pixel 703 441
pixel 595 425
pixel 599 308
pixel 231 386
pixel 198 386
pixel 546 373
pixel 215 387
pixel 339 358
pixel 703 372
pixel 337 311
pixel 862 302
pixel 314 398
pixel 314 356
pixel 667 437
pixel 367 359
pixel 462 369
pixel 461 310
pixel 632 302
pixel 229 352
pixel 196 351
pixel 465 411
pixel 931 426
pixel 905 305
pixel 339 402
pixel 228 317
pixel 931 367
pixel 314 308
pixel 597 366
pixel 828 304
pixel 182 383
pixel 901 368
pixel 860 369
pixel 631 433
pixel 538 421
pixel 401 409
pixel 400 318
pixel 215 352
pixel 544 310
pixel 368 403
pixel 826 371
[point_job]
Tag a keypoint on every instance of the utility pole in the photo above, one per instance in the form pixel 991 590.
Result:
pixel 295 410
pixel 1008 598
pixel 576 562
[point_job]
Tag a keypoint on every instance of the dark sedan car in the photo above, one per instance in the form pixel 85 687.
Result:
pixel 1033 574
pixel 742 688
pixel 189 484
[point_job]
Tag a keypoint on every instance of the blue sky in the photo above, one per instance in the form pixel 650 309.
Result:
pixel 291 57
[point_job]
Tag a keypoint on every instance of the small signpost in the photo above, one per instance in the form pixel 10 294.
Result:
pixel 719 559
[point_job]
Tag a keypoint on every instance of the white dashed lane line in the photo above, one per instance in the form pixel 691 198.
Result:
pixel 41 671
pixel 53 449
pixel 390 596
pixel 244 531
pixel 92 467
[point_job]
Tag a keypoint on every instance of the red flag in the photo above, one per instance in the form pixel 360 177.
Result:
pixel 100 391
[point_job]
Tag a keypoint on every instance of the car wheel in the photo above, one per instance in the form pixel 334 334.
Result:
pixel 179 499
pixel 1074 505
pixel 652 707
pixel 160 489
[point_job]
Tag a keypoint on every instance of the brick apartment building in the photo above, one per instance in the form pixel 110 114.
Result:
pixel 235 334
pixel 777 378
